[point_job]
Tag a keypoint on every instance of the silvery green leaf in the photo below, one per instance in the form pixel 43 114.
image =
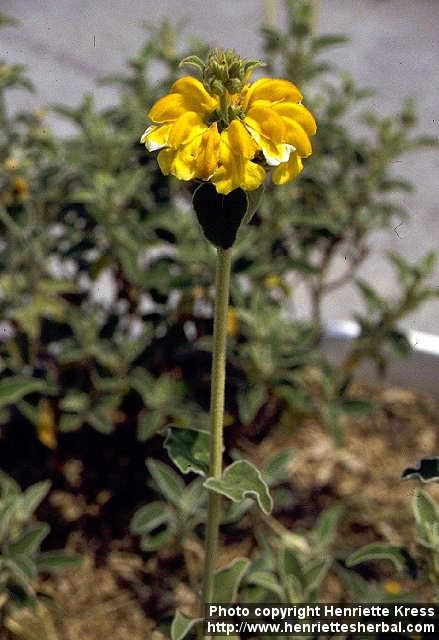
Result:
pixel 242 480
pixel 250 401
pixel 227 580
pixel 14 388
pixel 326 41
pixel 325 529
pixel 149 517
pixel 29 541
pixel 315 573
pixel 22 569
pixel 31 499
pixel 56 561
pixel 70 422
pixel 234 511
pixel 189 449
pixel 425 509
pixel 251 64
pixel 8 486
pixel 148 425
pixel 378 551
pixel 268 581
pixel 290 566
pixel 356 406
pixel 182 625
pixel 75 401
pixel 169 483
pixel 193 61
pixel 276 467
pixel 293 588
pixel 194 497
pixel 154 541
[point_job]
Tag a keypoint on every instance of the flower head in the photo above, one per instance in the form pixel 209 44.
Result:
pixel 227 131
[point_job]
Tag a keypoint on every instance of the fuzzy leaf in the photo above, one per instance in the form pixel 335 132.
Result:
pixel 379 551
pixel 193 61
pixel 29 541
pixel 315 573
pixel 149 517
pixel 75 401
pixel 148 425
pixel 325 529
pixel 70 422
pixel 250 402
pixel 189 450
pixel 56 561
pixel 242 480
pixel 356 407
pixel 227 580
pixel 32 498
pixel 425 509
pixel 22 569
pixel 181 625
pixel 169 483
pixel 291 566
pixel 325 41
pixel 153 542
pixel 276 468
pixel 14 388
pixel 268 581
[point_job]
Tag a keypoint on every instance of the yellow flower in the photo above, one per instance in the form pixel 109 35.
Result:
pixel 392 587
pixel 45 425
pixel 204 130
pixel 20 187
pixel 232 322
pixel 11 164
pixel 272 281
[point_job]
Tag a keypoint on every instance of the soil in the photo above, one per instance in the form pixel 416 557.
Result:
pixel 99 481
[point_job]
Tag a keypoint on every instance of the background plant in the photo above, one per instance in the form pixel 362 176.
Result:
pixel 21 561
pixel 93 209
pixel 91 212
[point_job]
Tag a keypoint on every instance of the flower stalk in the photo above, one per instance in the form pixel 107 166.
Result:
pixel 216 416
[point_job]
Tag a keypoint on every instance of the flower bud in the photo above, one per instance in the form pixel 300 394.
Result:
pixel 225 71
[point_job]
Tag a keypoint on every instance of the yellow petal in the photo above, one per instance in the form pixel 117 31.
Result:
pixel 287 170
pixel 208 153
pixel 236 171
pixel 187 127
pixel 187 94
pixel 165 159
pixel 195 95
pixel 272 90
pixel 298 138
pixel 274 153
pixel 239 140
pixel 267 122
pixel 168 108
pixel 156 137
pixel 299 113
pixel 180 163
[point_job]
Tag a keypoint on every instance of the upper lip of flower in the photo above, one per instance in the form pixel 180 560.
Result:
pixel 221 138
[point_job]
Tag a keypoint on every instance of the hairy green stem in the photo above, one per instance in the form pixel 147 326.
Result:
pixel 216 416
